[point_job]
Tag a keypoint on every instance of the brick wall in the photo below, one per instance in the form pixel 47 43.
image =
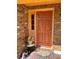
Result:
pixel 57 25
pixel 22 29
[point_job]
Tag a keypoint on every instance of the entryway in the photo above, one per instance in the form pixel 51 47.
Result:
pixel 41 24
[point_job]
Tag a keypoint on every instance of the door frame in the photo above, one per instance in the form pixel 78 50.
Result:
pixel 33 11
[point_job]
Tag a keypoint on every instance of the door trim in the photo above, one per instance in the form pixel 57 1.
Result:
pixel 33 11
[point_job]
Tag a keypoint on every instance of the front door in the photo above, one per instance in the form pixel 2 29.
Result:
pixel 44 28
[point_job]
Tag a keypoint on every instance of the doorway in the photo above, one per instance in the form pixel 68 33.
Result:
pixel 43 26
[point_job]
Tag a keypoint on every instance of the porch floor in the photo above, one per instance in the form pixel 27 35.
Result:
pixel 55 54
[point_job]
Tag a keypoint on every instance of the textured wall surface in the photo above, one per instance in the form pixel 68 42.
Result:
pixel 22 27
pixel 57 25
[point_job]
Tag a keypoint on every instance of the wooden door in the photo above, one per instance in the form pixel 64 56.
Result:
pixel 44 28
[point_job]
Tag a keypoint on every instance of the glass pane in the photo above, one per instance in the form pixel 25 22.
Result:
pixel 32 21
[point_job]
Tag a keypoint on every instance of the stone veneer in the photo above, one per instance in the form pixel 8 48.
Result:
pixel 57 25
pixel 22 27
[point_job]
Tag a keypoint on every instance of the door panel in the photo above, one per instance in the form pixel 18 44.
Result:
pixel 44 28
